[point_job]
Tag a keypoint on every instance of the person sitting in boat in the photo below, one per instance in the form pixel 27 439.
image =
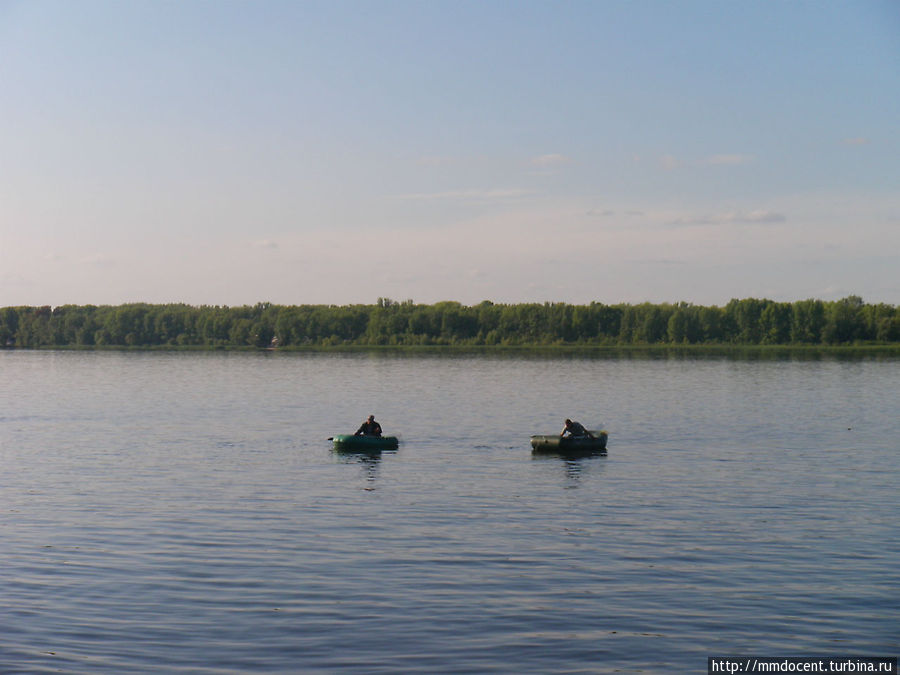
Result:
pixel 369 428
pixel 575 430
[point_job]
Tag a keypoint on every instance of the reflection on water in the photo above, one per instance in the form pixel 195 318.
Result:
pixel 369 461
pixel 574 468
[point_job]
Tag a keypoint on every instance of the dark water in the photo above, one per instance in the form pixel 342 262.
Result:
pixel 184 513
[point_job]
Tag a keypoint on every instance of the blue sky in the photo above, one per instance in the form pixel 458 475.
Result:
pixel 335 152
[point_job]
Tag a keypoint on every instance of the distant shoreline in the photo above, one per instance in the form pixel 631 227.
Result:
pixel 750 323
pixel 635 351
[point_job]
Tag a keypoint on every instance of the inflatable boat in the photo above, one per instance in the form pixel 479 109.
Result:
pixel 570 445
pixel 363 443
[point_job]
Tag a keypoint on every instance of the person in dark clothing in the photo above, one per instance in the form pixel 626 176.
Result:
pixel 574 429
pixel 369 428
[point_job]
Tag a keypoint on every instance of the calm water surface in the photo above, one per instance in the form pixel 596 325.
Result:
pixel 184 513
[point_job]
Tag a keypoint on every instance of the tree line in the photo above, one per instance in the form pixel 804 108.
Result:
pixel 748 321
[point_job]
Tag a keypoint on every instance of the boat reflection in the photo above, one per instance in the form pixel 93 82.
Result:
pixel 369 460
pixel 568 454
pixel 575 466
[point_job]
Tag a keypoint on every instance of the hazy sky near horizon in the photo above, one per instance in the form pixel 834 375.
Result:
pixel 230 152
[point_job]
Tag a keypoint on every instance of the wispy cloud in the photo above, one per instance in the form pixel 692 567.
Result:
pixel 606 213
pixel 669 162
pixel 727 160
pixel 98 261
pixel 435 161
pixel 16 280
pixel 545 161
pixel 657 261
pixel 467 195
pixel 264 243
pixel 860 140
pixel 760 216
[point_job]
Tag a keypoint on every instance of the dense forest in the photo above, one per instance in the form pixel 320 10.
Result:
pixel 741 322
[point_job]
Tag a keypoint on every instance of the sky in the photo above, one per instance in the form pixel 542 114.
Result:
pixel 220 152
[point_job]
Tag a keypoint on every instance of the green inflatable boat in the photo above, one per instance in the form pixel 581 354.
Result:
pixel 577 445
pixel 364 443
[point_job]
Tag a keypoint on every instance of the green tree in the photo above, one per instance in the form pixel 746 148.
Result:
pixel 746 315
pixel 807 321
pixel 711 324
pixel 9 326
pixel 775 323
pixel 843 320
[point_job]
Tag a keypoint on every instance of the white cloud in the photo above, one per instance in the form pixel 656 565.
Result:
pixel 759 216
pixel 554 159
pixel 626 214
pixel 99 261
pixel 856 141
pixel 657 261
pixel 727 160
pixel 669 162
pixel 467 195
pixel 435 161
pixel 15 281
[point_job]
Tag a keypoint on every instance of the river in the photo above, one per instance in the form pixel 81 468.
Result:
pixel 184 512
